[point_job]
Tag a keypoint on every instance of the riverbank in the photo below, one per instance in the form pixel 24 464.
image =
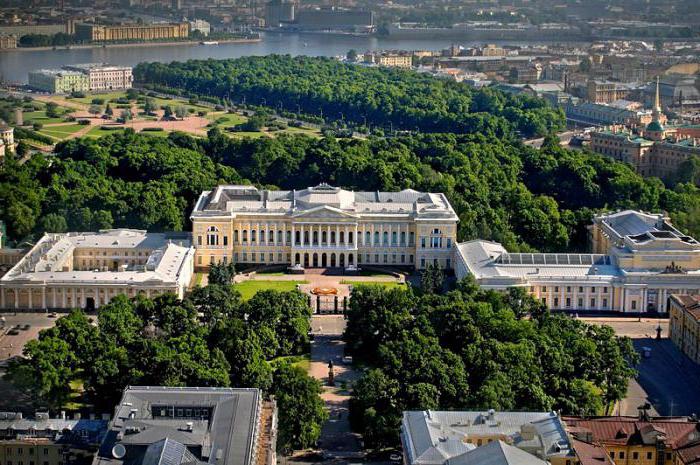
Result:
pixel 130 45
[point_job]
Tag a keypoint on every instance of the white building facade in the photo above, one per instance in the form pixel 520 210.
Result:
pixel 322 227
pixel 639 260
pixel 87 270
pixel 105 77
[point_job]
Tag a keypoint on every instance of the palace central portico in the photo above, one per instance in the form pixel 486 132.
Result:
pixel 323 226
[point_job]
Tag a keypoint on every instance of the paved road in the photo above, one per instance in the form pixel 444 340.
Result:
pixel 12 345
pixel 669 378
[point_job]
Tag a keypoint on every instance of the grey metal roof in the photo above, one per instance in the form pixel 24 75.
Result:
pixel 222 433
pixel 497 453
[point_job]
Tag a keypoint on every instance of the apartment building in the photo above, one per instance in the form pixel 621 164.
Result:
pixel 607 92
pixel 105 77
pixel 42 440
pixel 59 81
pixel 323 226
pixel 684 324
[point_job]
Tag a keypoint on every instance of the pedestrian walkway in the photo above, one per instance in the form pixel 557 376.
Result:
pixel 336 437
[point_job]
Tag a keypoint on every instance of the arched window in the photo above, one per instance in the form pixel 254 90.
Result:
pixel 350 238
pixel 368 238
pixel 376 238
pixel 245 235
pixel 213 235
pixel 252 235
pixel 393 238
pixel 235 236
pixel 385 238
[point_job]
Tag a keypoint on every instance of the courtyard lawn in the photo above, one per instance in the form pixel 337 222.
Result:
pixel 97 131
pixel 301 361
pixel 226 119
pixel 249 288
pixel 39 116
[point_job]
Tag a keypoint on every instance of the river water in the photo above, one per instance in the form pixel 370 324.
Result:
pixel 15 65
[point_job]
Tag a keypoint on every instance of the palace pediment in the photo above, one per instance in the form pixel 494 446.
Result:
pixel 324 212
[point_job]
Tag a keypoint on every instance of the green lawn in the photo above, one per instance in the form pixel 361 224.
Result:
pixel 249 288
pixel 97 131
pixel 386 284
pixel 61 132
pixel 226 119
pixel 301 361
pixel 31 117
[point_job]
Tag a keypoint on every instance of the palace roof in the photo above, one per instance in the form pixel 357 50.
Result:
pixel 241 200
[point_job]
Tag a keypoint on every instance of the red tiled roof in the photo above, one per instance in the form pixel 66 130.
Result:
pixel 590 454
pixel 629 430
pixel 691 304
pixel 690 454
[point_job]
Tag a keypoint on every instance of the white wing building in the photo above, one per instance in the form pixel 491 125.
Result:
pixel 639 260
pixel 87 270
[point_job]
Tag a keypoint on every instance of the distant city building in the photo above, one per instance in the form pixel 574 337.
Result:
pixel 59 81
pixel 8 41
pixel 684 324
pixel 49 441
pixel 390 59
pixel 607 92
pixel 601 114
pixel 105 77
pixel 200 25
pixel 132 32
pixel 333 19
pixel 638 260
pixel 43 29
pixel 87 270
pixel 655 151
pixel 492 50
pixel 190 426
pixel 638 440
pixel 499 438
pixel 278 12
pixel 323 226
pixel 675 90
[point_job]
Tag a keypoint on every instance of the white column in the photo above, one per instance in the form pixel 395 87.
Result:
pixel 2 297
pixel 43 297
pixel 31 297
pixel 328 236
pixel 337 235
pixel 64 302
pixel 356 240
pixel 294 234
pixel 53 298
pixel 82 296
pixel 16 297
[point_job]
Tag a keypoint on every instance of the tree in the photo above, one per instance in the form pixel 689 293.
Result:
pixel 51 110
pixel 94 109
pixel 53 223
pixel 351 55
pixel 108 110
pixel 167 111
pixel 126 115
pixel 222 273
pixel 181 111
pixel 149 106
pixel 432 278
pixel 300 406
pixel 46 372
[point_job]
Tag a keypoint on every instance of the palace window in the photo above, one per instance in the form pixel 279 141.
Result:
pixel 368 238
pixel 245 236
pixel 271 236
pixel 213 235
pixel 592 303
pixel 376 238
pixel 235 236
pixel 410 259
pixel 252 235
pixel 385 238
pixel 199 242
pixel 279 236
pixel 262 236
pixel 422 242
pixel 342 237
pixel 556 301
pixel 225 240
pixel 411 238
pixel 350 237
pixel 289 237
pixel 394 238
pixel 403 238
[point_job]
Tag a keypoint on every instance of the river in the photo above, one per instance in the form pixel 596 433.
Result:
pixel 14 65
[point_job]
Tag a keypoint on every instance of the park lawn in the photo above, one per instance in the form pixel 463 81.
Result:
pixel 107 96
pixel 97 131
pixel 304 130
pixel 301 361
pixel 252 135
pixel 249 288
pixel 61 132
pixel 226 119
pixel 39 116
pixel 385 284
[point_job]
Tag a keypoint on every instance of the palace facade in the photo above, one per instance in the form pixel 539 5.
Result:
pixel 638 261
pixel 323 226
pixel 87 270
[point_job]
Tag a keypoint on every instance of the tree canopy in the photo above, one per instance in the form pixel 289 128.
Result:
pixel 474 349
